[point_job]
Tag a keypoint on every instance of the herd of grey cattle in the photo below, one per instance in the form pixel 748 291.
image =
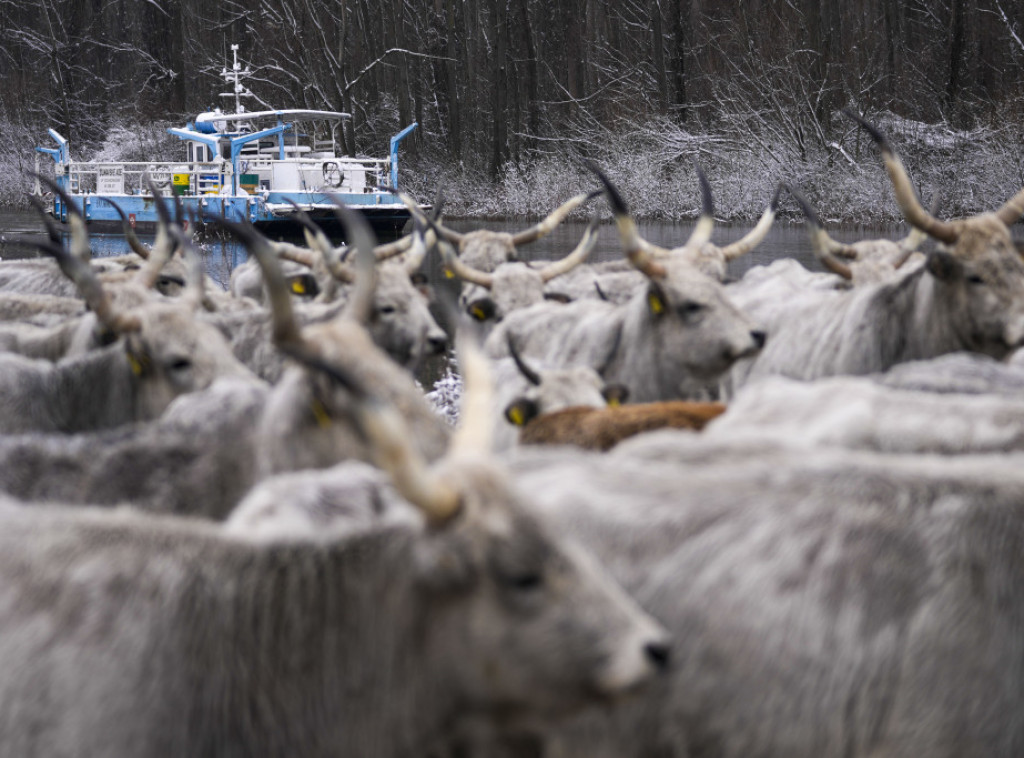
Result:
pixel 785 516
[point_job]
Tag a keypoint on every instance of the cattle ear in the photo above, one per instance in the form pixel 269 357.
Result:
pixel 304 285
pixel 521 411
pixel 944 266
pixel 482 309
pixel 444 563
pixel 615 394
pixel 656 300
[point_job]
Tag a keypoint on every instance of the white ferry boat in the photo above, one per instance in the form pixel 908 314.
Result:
pixel 242 165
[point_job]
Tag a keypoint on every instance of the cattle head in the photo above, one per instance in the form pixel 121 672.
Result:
pixel 698 250
pixel 550 390
pixel 510 286
pixel 308 421
pixel 681 320
pixel 168 351
pixel 530 625
pixel 978 270
pixel 485 250
pixel 861 262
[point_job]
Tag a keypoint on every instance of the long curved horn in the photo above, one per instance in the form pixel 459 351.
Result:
pixel 754 237
pixel 906 198
pixel 91 290
pixel 422 240
pixel 360 238
pixel 820 240
pixel 390 443
pixel 52 230
pixel 632 243
pixel 531 376
pixel 286 330
pixel 464 272
pixel 163 245
pixel 393 453
pixel 80 247
pixel 390 249
pixel 288 251
pixel 128 231
pixel 475 433
pixel 449 234
pixel 576 257
pixel 1012 209
pixel 553 219
pixel 706 222
pixel 195 290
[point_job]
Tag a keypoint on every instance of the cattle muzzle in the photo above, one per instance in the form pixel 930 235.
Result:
pixel 437 344
pixel 750 349
pixel 636 664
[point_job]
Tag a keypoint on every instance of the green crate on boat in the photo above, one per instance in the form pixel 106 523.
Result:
pixel 249 182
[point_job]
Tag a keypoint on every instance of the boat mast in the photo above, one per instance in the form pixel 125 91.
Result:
pixel 234 78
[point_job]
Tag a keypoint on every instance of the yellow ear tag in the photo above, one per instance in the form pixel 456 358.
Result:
pixel 614 402
pixel 297 287
pixel 515 415
pixel 657 307
pixel 478 313
pixel 135 365
pixel 449 274
pixel 320 413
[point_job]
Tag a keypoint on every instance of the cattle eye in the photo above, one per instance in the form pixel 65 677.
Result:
pixel 975 279
pixel 691 308
pixel 180 364
pixel 527 581
pixel 386 309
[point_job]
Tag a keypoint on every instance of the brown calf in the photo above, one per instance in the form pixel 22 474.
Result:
pixel 603 428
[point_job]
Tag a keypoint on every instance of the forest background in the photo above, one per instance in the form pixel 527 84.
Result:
pixel 510 95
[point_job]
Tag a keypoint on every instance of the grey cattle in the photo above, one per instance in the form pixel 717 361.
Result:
pixel 247 281
pixel 862 262
pixel 966 373
pixel 166 355
pixel 527 391
pixel 970 297
pixel 311 625
pixel 485 250
pixel 161 352
pixel 40 310
pixel 857 412
pixel 698 250
pixel 490 296
pixel 308 419
pixel 198 458
pixel 397 314
pixel 671 340
pixel 838 603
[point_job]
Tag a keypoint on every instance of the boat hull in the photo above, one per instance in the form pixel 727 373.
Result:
pixel 271 214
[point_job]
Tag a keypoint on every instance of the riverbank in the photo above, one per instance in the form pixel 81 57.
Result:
pixel 971 172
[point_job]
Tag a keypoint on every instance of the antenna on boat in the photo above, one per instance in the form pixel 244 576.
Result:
pixel 234 78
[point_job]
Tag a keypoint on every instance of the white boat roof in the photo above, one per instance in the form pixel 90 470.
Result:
pixel 294 114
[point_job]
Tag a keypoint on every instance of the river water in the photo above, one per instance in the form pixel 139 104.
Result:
pixel 18 228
